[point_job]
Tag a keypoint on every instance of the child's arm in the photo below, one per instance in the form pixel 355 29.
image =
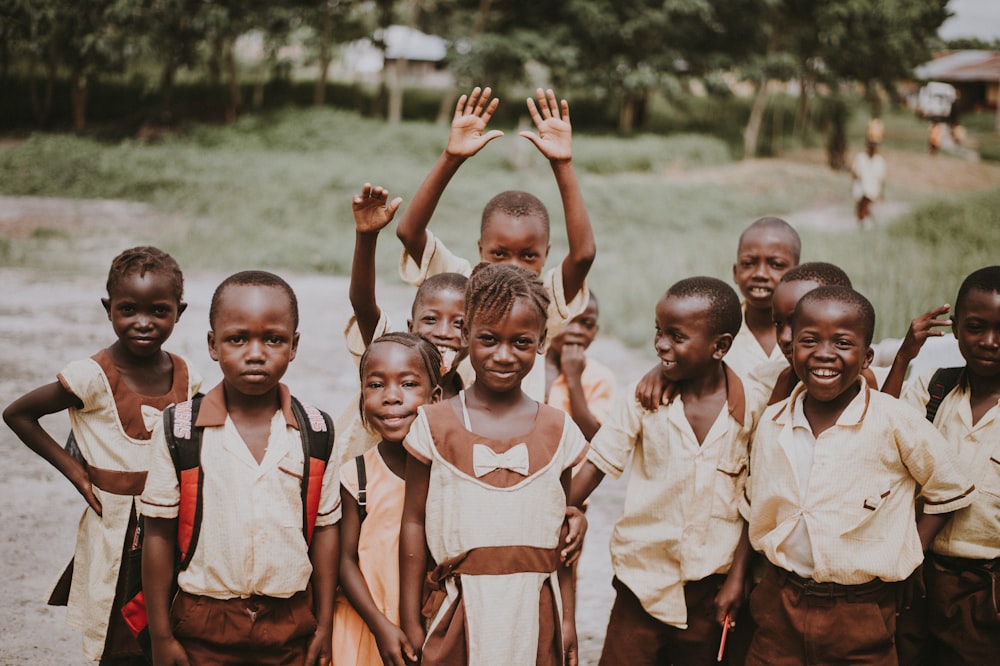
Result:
pixel 921 328
pixel 584 483
pixel 555 141
pixel 413 551
pixel 392 642
pixel 733 592
pixel 472 114
pixel 572 361
pixel 649 391
pixel 567 591
pixel 23 416
pixel 323 552
pixel 371 215
pixel 158 547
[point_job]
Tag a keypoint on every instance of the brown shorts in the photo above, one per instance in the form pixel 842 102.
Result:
pixel 962 610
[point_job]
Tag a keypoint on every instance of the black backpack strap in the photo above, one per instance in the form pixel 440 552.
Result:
pixel 943 381
pixel 362 488
pixel 316 432
pixel 184 443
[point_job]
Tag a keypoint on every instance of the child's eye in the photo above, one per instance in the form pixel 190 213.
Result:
pixel 236 339
pixel 458 323
pixel 274 340
pixel 677 337
pixel 524 342
pixel 411 384
pixel 780 265
pixel 429 320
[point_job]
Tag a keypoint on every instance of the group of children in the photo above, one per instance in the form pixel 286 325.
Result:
pixel 780 508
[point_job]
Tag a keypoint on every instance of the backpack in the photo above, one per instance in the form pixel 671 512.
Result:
pixel 362 489
pixel 943 381
pixel 184 442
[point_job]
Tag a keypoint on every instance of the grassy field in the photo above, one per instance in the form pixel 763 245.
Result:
pixel 274 191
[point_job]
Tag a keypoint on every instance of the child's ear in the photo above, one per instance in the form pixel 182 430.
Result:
pixel 409 326
pixel 211 346
pixel 181 307
pixel 541 342
pixel 721 346
pixel 465 337
pixel 869 356
pixel 295 345
pixel 437 394
pixel 106 302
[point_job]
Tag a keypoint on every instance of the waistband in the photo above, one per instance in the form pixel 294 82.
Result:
pixel 811 588
pixel 960 564
pixel 117 483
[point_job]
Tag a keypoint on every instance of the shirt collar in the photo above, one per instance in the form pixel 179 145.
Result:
pixel 213 410
pixel 853 414
pixel 735 395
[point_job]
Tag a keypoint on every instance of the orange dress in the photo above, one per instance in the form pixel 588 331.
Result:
pixel 378 557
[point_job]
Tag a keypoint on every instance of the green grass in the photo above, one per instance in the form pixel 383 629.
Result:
pixel 274 191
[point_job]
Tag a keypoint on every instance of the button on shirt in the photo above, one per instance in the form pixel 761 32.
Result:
pixel 681 521
pixel 859 508
pixel 251 540
pixel 974 531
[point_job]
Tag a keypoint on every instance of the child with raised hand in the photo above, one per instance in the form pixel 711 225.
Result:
pixel 109 397
pixel 830 500
pixel 680 550
pixel 399 373
pixel 487 481
pixel 515 225
pixel 257 583
pixel 962 574
pixel 581 386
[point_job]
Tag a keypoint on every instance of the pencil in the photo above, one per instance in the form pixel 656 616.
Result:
pixel 725 632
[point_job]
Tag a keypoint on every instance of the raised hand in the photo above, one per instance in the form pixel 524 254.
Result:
pixel 472 114
pixel 555 134
pixel 923 327
pixel 371 212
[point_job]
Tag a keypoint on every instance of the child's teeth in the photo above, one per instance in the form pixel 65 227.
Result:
pixel 447 357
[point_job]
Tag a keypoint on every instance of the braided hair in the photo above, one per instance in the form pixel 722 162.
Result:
pixel 429 355
pixel 145 259
pixel 494 288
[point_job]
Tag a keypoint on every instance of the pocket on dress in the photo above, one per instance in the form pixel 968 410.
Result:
pixel 730 477
pixel 860 522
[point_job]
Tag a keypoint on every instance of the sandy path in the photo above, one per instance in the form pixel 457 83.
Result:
pixel 46 322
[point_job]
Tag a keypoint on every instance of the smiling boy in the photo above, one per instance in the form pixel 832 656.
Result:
pixel 830 497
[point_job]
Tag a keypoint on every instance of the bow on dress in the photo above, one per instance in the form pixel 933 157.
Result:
pixel 486 460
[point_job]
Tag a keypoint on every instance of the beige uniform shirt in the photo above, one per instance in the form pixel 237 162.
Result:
pixel 745 354
pixel 859 509
pixel 974 531
pixel 251 540
pixel 681 521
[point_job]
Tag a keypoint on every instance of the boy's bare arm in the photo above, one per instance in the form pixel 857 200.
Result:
pixel 567 589
pixel 572 360
pixel 23 416
pixel 733 592
pixel 921 328
pixel 472 114
pixel 555 141
pixel 324 553
pixel 651 388
pixel 413 551
pixel 371 215
pixel 158 547
pixel 585 482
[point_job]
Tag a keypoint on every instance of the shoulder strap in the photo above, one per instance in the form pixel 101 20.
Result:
pixel 316 430
pixel 362 488
pixel 184 443
pixel 941 384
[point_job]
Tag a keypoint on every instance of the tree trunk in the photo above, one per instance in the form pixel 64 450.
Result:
pixel 626 114
pixel 79 87
pixel 394 81
pixel 802 116
pixel 167 77
pixel 325 54
pixel 235 102
pixel 751 133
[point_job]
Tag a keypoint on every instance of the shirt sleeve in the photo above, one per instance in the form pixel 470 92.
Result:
pixel 355 342
pixel 436 259
pixel 916 393
pixel 329 497
pixel 561 312
pixel 574 444
pixel 161 496
pixel 613 444
pixel 349 477
pixel 85 379
pixel 418 441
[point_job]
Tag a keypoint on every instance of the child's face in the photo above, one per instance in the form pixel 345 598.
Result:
pixel 829 349
pixel 438 316
pixel 581 330
pixel 503 352
pixel 786 297
pixel 522 241
pixel 977 329
pixel 393 384
pixel 253 338
pixel 143 310
pixel 762 258
pixel 684 342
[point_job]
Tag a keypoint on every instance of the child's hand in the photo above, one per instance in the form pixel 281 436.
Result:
pixel 572 360
pixel 84 486
pixel 472 114
pixel 371 213
pixel 921 328
pixel 555 134
pixel 416 635
pixel 571 655
pixel 729 600
pixel 651 389
pixel 577 523
pixel 320 652
pixel 394 646
pixel 169 652
pixel 911 590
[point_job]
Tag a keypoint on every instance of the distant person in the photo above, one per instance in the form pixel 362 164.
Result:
pixel 868 180
pixel 108 397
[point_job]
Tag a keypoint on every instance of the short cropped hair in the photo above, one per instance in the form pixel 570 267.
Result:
pixel 985 279
pixel 779 224
pixel 453 282
pixel 145 259
pixel 424 348
pixel 848 297
pixel 821 272
pixel 494 288
pixel 253 279
pixel 516 204
pixel 724 313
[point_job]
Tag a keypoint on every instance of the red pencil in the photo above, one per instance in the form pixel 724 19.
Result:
pixel 725 632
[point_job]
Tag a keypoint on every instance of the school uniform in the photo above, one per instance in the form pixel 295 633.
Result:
pixel 437 258
pixel 963 571
pixel 679 528
pixel 111 431
pixel 245 596
pixel 598 382
pixel 835 517
pixel 745 353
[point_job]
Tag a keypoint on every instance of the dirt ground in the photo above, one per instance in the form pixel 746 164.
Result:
pixel 48 320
